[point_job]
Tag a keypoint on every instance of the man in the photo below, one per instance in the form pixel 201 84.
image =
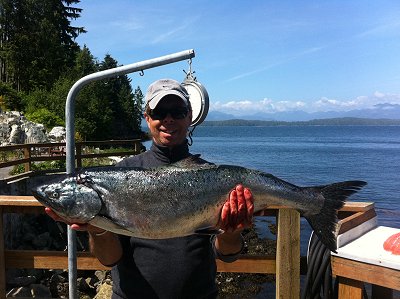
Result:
pixel 171 268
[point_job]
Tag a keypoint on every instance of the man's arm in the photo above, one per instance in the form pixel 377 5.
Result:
pixel 106 247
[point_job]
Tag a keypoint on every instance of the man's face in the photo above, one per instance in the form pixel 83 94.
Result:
pixel 169 131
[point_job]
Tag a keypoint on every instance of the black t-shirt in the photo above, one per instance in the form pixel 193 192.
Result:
pixel 170 268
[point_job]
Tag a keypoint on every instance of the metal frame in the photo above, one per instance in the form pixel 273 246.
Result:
pixel 70 134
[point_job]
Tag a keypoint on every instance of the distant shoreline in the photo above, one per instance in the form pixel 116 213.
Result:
pixel 345 121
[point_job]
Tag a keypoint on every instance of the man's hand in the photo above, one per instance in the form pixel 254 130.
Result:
pixel 237 212
pixel 75 226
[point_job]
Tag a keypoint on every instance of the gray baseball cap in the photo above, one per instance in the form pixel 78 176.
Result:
pixel 163 87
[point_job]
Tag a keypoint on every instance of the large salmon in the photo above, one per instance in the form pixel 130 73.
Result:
pixel 185 198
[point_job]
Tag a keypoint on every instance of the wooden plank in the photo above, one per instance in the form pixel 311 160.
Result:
pixel 18 176
pixel 13 200
pixel 40 259
pixel 355 220
pixel 31 201
pixel 350 289
pixel 109 142
pixel 288 254
pixel 373 274
pixel 355 206
pixel 20 204
pixel 2 258
pixel 125 153
pixel 249 264
pixel 36 259
pixel 43 259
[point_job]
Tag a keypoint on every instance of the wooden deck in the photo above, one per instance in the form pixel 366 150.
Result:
pixel 285 265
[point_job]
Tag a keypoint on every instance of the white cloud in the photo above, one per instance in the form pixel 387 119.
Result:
pixel 360 102
pixel 267 105
pixel 251 107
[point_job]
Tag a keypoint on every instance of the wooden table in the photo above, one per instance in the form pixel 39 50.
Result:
pixel 361 259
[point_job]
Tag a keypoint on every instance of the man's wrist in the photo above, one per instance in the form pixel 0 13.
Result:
pixel 229 242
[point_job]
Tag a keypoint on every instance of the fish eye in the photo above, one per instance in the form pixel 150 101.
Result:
pixel 54 194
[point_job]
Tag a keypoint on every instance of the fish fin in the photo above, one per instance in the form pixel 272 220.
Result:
pixel 210 230
pixel 324 223
pixel 107 224
pixel 193 161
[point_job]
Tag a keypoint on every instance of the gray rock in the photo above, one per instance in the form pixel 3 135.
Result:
pixel 16 136
pixel 16 129
pixel 34 133
pixel 101 275
pixel 57 134
pixel 105 291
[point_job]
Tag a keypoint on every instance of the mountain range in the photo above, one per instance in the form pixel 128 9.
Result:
pixel 379 111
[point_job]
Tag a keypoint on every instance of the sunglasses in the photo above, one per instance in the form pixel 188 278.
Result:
pixel 176 113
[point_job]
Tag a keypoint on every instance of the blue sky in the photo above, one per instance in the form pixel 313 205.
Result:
pixel 259 56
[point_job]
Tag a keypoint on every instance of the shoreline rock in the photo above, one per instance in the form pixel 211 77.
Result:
pixel 16 129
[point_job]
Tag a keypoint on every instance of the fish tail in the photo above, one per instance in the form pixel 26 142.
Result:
pixel 325 222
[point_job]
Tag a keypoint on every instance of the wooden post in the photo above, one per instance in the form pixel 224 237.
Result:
pixel 2 259
pixel 78 148
pixel 350 288
pixel 27 155
pixel 288 255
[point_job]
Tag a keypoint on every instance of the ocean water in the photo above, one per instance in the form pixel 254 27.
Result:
pixel 315 155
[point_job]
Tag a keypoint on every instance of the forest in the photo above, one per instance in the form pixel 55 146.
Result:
pixel 40 60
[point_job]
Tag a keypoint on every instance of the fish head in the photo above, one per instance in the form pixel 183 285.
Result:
pixel 72 198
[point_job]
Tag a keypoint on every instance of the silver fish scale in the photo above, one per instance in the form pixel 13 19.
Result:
pixel 176 201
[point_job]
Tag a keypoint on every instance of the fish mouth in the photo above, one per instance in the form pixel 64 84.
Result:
pixel 38 195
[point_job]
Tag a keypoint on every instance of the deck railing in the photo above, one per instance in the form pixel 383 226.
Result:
pixel 29 153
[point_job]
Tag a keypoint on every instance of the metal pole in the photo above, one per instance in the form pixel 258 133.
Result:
pixel 70 134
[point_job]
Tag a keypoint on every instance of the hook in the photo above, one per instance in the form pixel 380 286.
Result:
pixel 190 73
pixel 141 73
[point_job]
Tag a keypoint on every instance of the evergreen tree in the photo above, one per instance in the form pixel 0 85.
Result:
pixel 37 42
pixel 137 111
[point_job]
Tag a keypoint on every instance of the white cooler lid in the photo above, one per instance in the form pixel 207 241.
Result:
pixel 368 248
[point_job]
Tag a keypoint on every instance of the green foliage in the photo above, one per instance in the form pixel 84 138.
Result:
pixel 137 109
pixel 37 41
pixel 40 58
pixel 47 118
pixel 10 99
pixel 41 166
